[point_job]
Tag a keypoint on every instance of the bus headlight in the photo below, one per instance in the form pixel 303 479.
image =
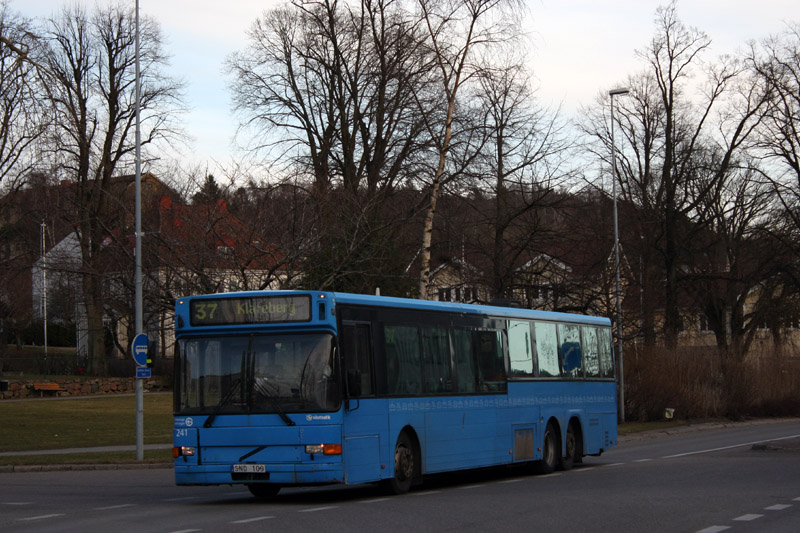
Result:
pixel 324 449
pixel 182 451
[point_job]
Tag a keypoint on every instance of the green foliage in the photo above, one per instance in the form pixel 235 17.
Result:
pixel 57 334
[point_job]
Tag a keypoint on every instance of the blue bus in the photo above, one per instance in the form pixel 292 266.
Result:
pixel 287 388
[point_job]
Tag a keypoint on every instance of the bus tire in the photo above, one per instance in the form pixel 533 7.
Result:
pixel 551 450
pixel 405 464
pixel 264 491
pixel 573 448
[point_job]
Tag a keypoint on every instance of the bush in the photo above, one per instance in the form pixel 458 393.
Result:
pixel 708 383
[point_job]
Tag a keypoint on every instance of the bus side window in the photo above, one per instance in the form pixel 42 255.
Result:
pixel 491 363
pixel 590 351
pixel 519 348
pixel 606 358
pixel 464 360
pixel 403 359
pixel 570 337
pixel 547 349
pixel 436 360
pixel 357 354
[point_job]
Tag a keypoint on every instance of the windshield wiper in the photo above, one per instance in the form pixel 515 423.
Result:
pixel 263 391
pixel 222 403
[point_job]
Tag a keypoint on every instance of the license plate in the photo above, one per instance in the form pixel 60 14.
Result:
pixel 250 469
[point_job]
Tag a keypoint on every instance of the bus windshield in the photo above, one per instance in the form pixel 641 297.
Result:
pixel 256 374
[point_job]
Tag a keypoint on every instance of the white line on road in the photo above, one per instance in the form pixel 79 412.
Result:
pixel 248 520
pixel 17 503
pixel 471 487
pixel 729 447
pixel 777 507
pixel 122 506
pixel 315 509
pixel 713 529
pixel 512 480
pixel 376 500
pixel 41 517
pixel 747 517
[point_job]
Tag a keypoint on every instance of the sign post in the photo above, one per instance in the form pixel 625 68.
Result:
pixel 139 352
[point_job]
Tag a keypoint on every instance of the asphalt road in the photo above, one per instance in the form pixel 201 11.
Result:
pixel 739 478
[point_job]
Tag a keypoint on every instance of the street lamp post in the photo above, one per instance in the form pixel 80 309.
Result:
pixel 139 314
pixel 612 93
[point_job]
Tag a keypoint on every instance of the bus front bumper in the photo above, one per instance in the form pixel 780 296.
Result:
pixel 282 474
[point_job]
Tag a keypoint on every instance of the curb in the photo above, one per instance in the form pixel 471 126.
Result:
pixel 13 469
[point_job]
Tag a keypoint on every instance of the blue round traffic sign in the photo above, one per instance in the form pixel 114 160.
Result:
pixel 139 349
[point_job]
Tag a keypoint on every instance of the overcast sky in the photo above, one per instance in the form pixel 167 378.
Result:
pixel 579 48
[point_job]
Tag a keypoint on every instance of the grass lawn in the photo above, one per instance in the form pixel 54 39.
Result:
pixel 79 423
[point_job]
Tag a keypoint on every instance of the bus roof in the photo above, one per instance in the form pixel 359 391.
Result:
pixel 422 305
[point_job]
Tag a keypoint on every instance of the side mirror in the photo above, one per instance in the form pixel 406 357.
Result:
pixel 354 383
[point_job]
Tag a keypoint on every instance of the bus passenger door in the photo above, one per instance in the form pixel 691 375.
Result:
pixel 365 424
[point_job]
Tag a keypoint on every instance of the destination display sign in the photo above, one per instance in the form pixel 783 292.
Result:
pixel 249 310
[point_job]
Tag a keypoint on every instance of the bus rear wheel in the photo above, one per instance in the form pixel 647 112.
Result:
pixel 550 451
pixel 574 448
pixel 405 461
pixel 263 491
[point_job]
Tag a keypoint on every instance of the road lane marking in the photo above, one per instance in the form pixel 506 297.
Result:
pixel 427 492
pixel 777 507
pixel 110 507
pixel 714 529
pixel 642 460
pixel 181 499
pixel 248 520
pixel 315 509
pixel 26 503
pixel 729 447
pixel 512 480
pixel 747 517
pixel 375 500
pixel 471 487
pixel 41 517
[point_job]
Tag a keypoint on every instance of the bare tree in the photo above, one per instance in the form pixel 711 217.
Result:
pixel 457 31
pixel 22 118
pixel 331 84
pixel 678 149
pixel 521 162
pixel 776 61
pixel 87 66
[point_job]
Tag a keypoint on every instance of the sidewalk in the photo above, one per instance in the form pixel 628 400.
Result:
pixel 126 448
pixel 67 467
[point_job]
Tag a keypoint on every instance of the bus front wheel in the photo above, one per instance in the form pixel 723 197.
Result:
pixel 404 466
pixel 263 491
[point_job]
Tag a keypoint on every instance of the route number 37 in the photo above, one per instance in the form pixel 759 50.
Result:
pixel 205 311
